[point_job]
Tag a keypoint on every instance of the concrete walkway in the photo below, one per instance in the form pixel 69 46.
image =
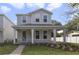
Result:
pixel 18 50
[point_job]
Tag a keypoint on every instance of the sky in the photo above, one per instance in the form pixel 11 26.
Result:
pixel 58 10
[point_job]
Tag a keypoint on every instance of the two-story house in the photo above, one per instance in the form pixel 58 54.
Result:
pixel 6 31
pixel 35 27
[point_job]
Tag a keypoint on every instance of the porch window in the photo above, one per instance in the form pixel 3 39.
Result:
pixel 45 35
pixel 51 34
pixel 37 34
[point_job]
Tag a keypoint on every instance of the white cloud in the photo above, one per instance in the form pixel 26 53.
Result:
pixel 38 5
pixel 18 5
pixel 29 5
pixel 49 7
pixel 53 6
pixel 40 1
pixel 5 9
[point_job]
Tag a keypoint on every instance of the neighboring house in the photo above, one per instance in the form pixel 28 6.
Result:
pixel 35 27
pixel 60 31
pixel 74 33
pixel 6 30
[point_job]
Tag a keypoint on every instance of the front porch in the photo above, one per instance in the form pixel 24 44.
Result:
pixel 37 34
pixel 34 36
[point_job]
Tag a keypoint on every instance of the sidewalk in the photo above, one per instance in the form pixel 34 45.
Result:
pixel 18 50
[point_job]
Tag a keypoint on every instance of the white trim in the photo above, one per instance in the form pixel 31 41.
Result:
pixel 14 37
pixel 54 35
pixel 64 36
pixel 32 31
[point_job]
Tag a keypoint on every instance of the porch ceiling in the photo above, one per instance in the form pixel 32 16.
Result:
pixel 37 27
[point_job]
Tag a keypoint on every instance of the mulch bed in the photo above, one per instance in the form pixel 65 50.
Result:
pixel 67 46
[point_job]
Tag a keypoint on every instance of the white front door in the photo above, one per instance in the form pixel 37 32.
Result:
pixel 24 36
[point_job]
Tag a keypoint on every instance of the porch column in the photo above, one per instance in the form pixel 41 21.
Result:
pixel 32 32
pixel 14 36
pixel 64 35
pixel 54 35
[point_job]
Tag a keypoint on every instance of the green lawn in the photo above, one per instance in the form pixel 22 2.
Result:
pixel 7 48
pixel 44 50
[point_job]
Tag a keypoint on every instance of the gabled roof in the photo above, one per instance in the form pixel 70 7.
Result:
pixel 36 11
pixel 40 10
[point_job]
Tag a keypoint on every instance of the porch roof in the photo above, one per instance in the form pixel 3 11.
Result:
pixel 37 26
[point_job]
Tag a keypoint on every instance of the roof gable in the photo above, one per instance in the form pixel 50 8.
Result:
pixel 40 10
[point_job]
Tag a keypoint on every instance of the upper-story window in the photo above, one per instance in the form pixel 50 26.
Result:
pixel 45 18
pixel 37 19
pixel 24 19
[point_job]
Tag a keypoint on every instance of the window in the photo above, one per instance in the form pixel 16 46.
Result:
pixel 51 34
pixel 24 19
pixel 45 35
pixel 45 18
pixel 37 34
pixel 37 20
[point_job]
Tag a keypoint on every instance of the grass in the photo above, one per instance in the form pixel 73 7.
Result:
pixel 44 50
pixel 7 48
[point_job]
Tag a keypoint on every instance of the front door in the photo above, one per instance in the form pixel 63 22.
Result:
pixel 24 36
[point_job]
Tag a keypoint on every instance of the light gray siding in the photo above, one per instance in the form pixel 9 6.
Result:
pixel 31 19
pixel 19 20
pixel 8 32
pixel 19 36
pixel 1 29
pixel 40 15
pixel 1 21
pixel 28 20
pixel 28 36
pixel 1 37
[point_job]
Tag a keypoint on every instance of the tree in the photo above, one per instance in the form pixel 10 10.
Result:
pixel 74 5
pixel 72 25
pixel 75 9
pixel 56 23
pixel 74 22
